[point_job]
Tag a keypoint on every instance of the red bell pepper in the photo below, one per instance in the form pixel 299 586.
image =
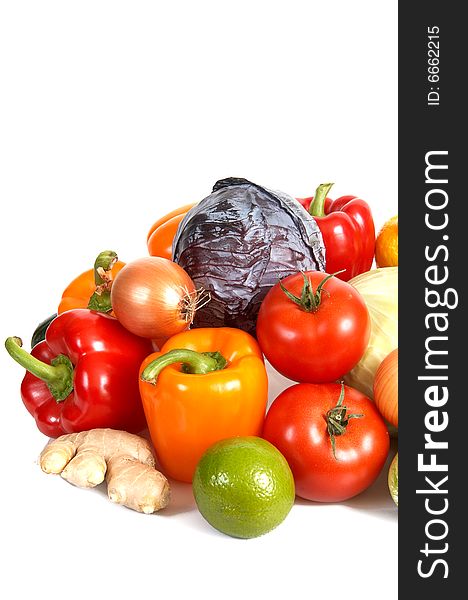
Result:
pixel 84 375
pixel 347 229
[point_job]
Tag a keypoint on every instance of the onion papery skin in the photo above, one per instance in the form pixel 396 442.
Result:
pixel 386 388
pixel 154 298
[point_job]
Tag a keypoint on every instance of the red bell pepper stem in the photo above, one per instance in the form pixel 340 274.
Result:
pixel 317 206
pixel 198 363
pixel 101 299
pixel 58 375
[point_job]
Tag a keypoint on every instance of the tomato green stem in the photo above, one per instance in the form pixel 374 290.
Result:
pixel 309 301
pixel 58 375
pixel 198 363
pixel 337 419
pixel 101 298
pixel 317 206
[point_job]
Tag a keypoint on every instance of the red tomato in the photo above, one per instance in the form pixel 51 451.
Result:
pixel 304 423
pixel 313 334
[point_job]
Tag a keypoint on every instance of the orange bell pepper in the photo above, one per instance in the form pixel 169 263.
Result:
pixel 204 385
pixel 91 289
pixel 162 232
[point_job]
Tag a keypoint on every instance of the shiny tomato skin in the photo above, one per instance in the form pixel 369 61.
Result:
pixel 296 425
pixel 314 347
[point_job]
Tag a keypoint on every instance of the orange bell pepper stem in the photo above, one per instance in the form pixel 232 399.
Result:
pixel 198 363
pixel 100 299
pixel 204 385
pixel 91 289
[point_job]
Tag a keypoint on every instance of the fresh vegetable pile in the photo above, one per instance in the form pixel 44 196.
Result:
pixel 175 344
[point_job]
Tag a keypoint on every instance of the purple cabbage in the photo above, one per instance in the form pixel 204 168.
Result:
pixel 238 242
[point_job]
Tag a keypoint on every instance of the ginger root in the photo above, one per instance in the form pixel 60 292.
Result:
pixel 125 460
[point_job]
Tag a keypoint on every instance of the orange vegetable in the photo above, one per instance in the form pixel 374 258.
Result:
pixel 204 385
pixel 91 289
pixel 386 388
pixel 386 244
pixel 162 232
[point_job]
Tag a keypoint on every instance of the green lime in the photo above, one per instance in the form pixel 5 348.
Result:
pixel 243 486
pixel 393 479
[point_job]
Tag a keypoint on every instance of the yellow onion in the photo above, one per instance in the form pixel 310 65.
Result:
pixel 386 388
pixel 154 298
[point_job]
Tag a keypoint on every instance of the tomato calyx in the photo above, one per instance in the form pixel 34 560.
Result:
pixel 337 420
pixel 309 300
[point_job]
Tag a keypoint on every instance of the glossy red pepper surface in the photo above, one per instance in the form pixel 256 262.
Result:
pixel 101 375
pixel 347 229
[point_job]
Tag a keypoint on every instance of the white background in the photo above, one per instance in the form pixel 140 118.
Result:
pixel 111 114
